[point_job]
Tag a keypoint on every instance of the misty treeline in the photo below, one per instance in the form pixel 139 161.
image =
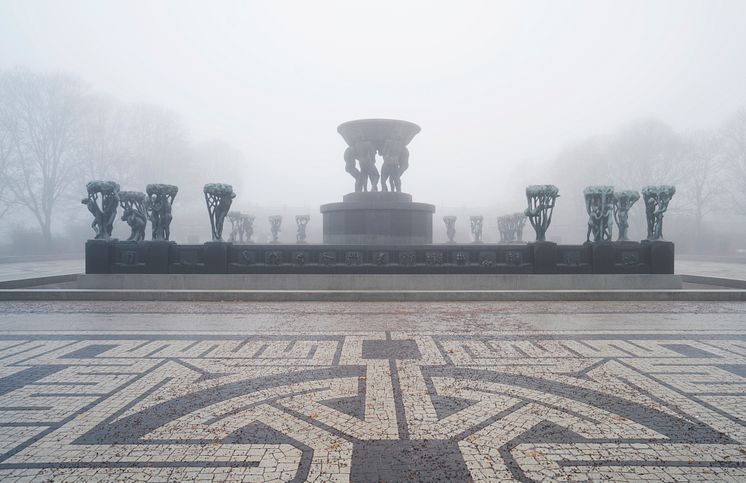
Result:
pixel 56 133
pixel 708 168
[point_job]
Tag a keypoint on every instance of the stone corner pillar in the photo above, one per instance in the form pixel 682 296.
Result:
pixel 661 256
pixel 545 257
pixel 97 256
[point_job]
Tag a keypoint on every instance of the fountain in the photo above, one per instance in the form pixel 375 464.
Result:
pixel 371 215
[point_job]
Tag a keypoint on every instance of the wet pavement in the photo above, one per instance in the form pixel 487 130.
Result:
pixel 736 271
pixel 41 268
pixel 372 391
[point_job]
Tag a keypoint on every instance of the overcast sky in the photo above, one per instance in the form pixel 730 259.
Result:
pixel 494 85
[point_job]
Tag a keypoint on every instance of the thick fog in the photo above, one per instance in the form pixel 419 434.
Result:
pixel 507 94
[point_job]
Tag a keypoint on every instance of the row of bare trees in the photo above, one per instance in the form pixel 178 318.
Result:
pixel 708 167
pixel 56 133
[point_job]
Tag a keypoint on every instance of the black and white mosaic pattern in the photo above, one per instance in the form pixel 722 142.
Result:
pixel 373 406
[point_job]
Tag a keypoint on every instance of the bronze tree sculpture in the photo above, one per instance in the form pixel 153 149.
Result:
pixel 623 202
pixel 511 227
pixel 541 200
pixel 476 228
pixel 275 222
pixel 450 222
pixel 656 200
pixel 301 221
pixel 599 203
pixel 160 202
pixel 247 228
pixel 104 214
pixel 218 197
pixel 134 213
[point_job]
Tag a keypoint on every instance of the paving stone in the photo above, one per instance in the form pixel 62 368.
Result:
pixel 371 392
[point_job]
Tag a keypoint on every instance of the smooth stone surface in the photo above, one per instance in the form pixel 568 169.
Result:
pixel 664 295
pixel 378 218
pixel 377 196
pixel 455 282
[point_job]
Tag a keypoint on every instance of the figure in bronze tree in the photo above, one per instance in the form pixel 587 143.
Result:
pixel 450 222
pixel 275 222
pixel 656 200
pixel 476 228
pixel 511 227
pixel 599 203
pixel 301 221
pixel 104 214
pixel 158 206
pixel 623 202
pixel 247 228
pixel 236 218
pixel 134 213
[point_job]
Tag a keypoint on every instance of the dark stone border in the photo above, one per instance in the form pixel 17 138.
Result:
pixel 533 258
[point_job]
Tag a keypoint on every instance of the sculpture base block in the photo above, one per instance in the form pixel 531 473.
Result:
pixel 661 255
pixel 545 256
pixel 378 218
pixel 163 257
pixel 602 256
pixel 97 256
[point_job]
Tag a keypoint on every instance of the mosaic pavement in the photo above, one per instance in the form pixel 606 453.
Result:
pixel 498 403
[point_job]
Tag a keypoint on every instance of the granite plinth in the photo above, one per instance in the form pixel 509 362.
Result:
pixel 378 218
pixel 531 258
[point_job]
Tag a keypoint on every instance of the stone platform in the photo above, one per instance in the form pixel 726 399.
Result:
pixel 378 218
pixel 377 282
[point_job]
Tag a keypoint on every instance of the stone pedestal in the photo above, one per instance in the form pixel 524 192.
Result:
pixel 97 256
pixel 661 256
pixel 602 257
pixel 545 256
pixel 378 218
pixel 158 255
pixel 216 256
pixel 631 257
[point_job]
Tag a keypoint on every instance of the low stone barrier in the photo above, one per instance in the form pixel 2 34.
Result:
pixel 162 257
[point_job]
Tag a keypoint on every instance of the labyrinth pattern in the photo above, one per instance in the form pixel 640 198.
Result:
pixel 373 406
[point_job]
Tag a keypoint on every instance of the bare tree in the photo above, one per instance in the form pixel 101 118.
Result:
pixel 644 152
pixel 702 166
pixel 5 150
pixel 102 145
pixel 734 151
pixel 228 163
pixel 39 117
